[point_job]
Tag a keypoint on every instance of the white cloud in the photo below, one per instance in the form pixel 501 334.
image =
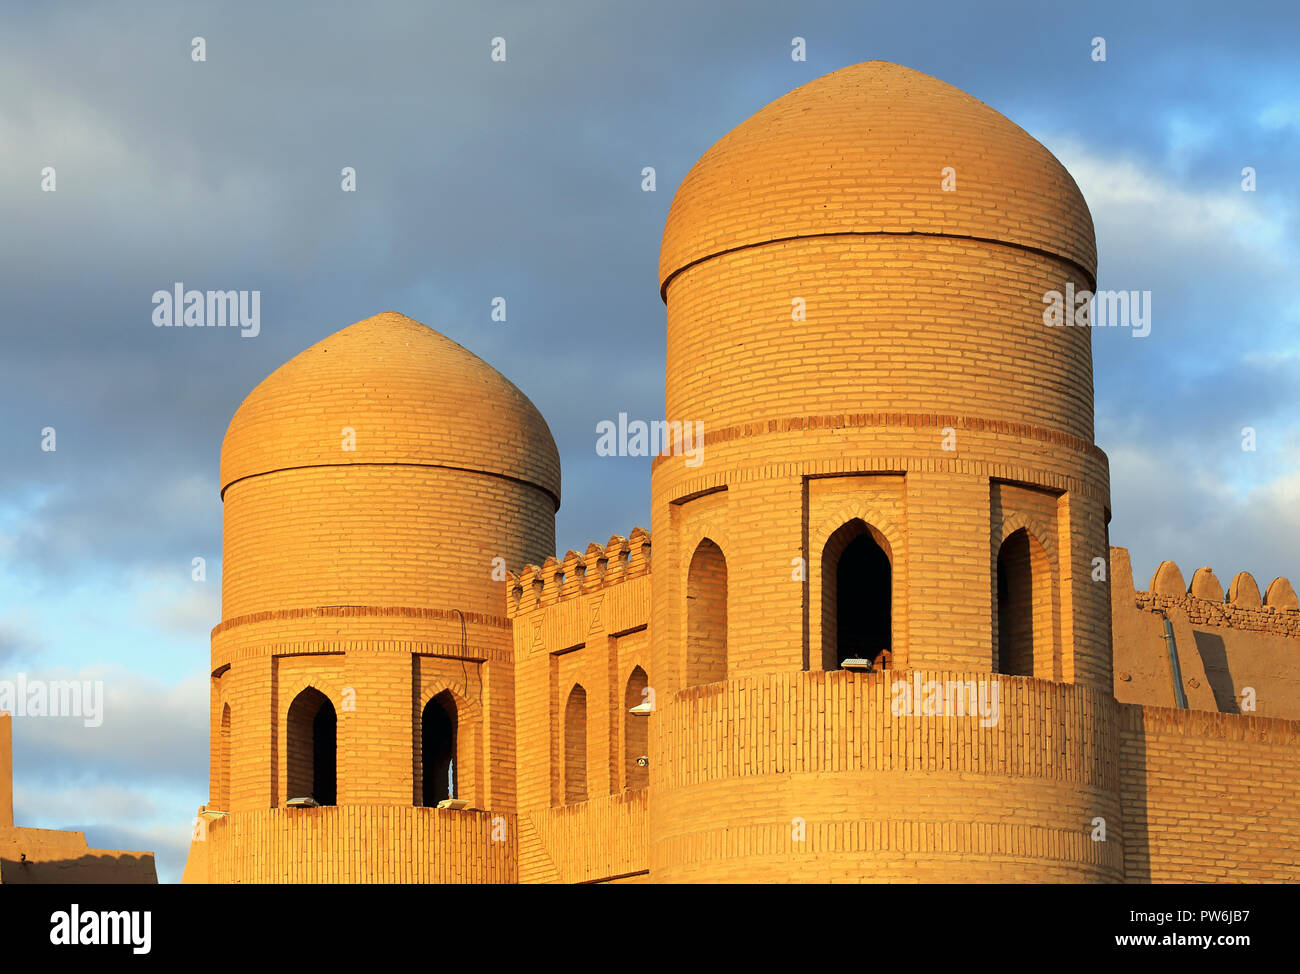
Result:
pixel 1143 204
pixel 96 803
pixel 1166 507
pixel 151 731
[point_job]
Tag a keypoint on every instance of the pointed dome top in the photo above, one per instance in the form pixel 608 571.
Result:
pixel 865 149
pixel 412 396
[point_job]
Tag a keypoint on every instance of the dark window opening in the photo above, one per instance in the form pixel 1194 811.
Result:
pixel 438 749
pixel 862 601
pixel 313 748
pixel 324 755
pixel 1021 594
pixel 857 597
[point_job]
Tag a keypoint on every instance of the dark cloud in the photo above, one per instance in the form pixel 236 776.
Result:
pixel 476 180
pixel 151 734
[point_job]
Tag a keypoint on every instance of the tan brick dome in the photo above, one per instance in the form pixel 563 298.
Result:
pixel 863 150
pixel 413 396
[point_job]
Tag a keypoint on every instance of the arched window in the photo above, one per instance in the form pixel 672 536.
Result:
pixel 1024 607
pixel 221 773
pixel 636 731
pixel 857 595
pixel 706 616
pixel 575 746
pixel 438 748
pixel 312 747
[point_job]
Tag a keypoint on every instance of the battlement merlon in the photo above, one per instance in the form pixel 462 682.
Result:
pixel 1167 586
pixel 600 566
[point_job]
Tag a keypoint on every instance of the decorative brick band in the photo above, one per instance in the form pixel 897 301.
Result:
pixel 721 478
pixel 555 499
pixel 1088 275
pixel 354 611
pixel 804 424
pixel 225 656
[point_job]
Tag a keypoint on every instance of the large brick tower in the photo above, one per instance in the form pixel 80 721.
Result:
pixel 370 485
pixel 898 455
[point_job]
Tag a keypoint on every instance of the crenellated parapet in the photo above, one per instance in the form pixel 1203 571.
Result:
pixel 599 567
pixel 1206 603
pixel 1236 648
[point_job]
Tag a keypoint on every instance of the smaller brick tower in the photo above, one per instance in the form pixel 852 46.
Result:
pixel 364 659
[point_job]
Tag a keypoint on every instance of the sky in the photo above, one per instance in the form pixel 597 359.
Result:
pixel 522 178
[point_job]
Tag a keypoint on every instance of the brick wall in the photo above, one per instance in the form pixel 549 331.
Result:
pixel 737 767
pixel 1209 798
pixel 378 536
pixel 357 844
pixel 578 622
pixel 600 840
